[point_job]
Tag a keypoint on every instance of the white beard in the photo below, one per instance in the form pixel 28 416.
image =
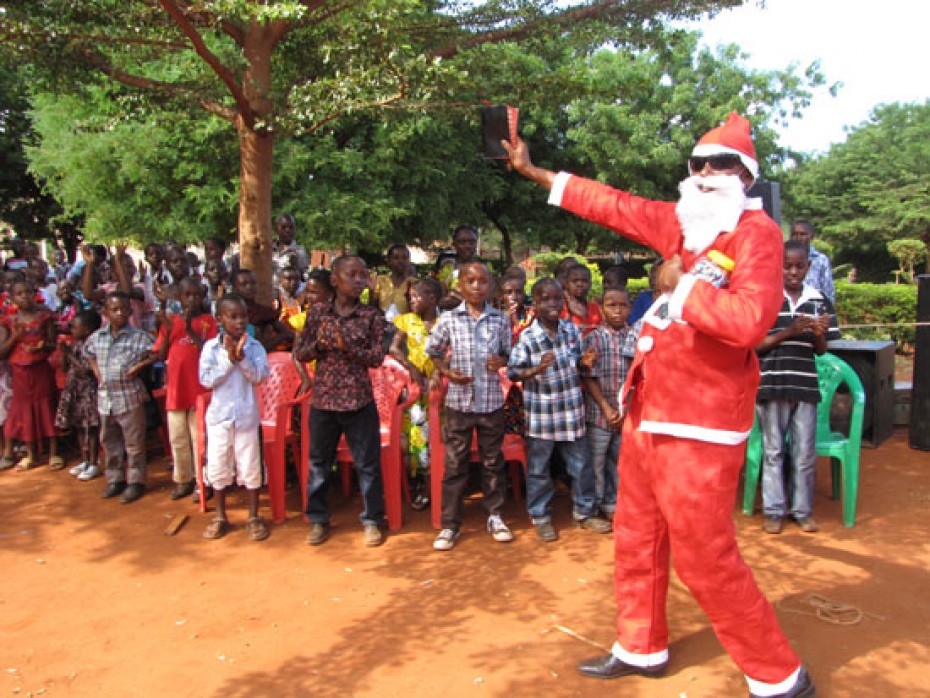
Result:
pixel 709 206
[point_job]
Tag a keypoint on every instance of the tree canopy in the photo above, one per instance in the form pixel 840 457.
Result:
pixel 871 189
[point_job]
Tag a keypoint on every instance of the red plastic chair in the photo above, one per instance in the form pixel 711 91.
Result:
pixel 389 382
pixel 276 401
pixel 513 450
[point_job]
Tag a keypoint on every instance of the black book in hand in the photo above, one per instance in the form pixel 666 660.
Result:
pixel 498 123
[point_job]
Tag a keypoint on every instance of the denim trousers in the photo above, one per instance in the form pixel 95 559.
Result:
pixel 363 435
pixel 457 430
pixel 539 487
pixel 788 425
pixel 603 454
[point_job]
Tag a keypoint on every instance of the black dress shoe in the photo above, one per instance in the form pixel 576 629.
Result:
pixel 113 489
pixel 803 688
pixel 132 493
pixel 607 666
pixel 183 489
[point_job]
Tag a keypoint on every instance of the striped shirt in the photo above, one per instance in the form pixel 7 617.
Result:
pixel 553 399
pixel 788 370
pixel 116 354
pixel 470 342
pixel 615 350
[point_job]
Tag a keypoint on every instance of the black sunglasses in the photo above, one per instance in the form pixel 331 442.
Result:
pixel 725 161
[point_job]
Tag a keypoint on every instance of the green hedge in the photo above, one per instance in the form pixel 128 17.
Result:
pixel 877 304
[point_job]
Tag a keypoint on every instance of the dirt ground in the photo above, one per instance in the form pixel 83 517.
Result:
pixel 96 600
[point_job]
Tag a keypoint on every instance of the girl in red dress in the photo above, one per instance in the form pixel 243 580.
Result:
pixel 32 411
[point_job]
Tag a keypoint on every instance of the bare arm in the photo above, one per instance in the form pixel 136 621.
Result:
pixel 520 161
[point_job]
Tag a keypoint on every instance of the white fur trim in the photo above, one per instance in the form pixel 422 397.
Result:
pixel 716 149
pixel 753 203
pixel 558 188
pixel 676 302
pixel 758 688
pixel 644 661
pixel 695 432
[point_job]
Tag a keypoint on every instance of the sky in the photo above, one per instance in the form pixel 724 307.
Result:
pixel 879 51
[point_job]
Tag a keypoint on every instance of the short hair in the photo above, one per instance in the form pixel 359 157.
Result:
pixel 615 272
pixel 806 224
pixel 236 273
pixel 287 217
pixel 154 245
pixel 18 274
pixel 467 228
pixel 118 295
pixel 230 298
pixel 616 289
pixel 344 259
pixel 474 263
pixel 576 267
pixel 396 246
pixel 322 277
pixel 22 282
pixel 190 281
pixel 219 242
pixel 430 286
pixel 796 246
pixel 544 283
pixel 89 318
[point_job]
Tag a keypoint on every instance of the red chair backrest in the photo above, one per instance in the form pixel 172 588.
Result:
pixel 388 382
pixel 281 385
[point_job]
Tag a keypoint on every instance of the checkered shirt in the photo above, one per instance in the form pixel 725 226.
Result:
pixel 615 349
pixel 553 399
pixel 470 342
pixel 117 394
pixel 820 274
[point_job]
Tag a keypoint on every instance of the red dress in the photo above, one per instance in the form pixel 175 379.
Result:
pixel 35 396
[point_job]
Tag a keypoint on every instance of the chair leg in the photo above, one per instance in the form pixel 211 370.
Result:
pixel 850 489
pixel 275 464
pixel 835 475
pixel 437 471
pixel 754 453
pixel 391 475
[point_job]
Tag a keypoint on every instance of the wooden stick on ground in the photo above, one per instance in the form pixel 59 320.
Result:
pixel 175 524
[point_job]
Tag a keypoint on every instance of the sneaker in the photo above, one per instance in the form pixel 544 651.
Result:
pixel 90 472
pixel 446 539
pixel 773 524
pixel 594 523
pixel 373 535
pixel 498 529
pixel 546 532
pixel 319 533
pixel 808 525
pixel 78 469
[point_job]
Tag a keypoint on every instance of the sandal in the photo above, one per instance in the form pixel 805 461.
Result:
pixel 216 529
pixel 257 529
pixel 56 463
pixel 6 463
pixel 25 463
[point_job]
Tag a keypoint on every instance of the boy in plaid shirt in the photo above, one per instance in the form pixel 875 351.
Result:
pixel 547 358
pixel 469 345
pixel 614 344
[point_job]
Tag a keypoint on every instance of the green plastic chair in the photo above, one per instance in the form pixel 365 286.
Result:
pixel 843 450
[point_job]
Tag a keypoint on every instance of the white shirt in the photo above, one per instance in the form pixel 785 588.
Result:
pixel 233 385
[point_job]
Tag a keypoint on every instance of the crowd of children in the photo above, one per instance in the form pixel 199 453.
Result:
pixel 548 367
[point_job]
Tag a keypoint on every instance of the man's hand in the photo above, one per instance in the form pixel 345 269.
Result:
pixel 459 378
pixel 613 417
pixel 133 370
pixel 495 363
pixel 589 357
pixel 545 362
pixel 821 325
pixel 801 324
pixel 519 159
pixel 669 275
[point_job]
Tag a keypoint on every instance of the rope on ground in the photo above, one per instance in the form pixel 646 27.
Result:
pixel 826 610
pixel 577 636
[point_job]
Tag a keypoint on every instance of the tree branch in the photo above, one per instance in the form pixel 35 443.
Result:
pixel 224 74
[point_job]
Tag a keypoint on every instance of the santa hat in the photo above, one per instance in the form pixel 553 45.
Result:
pixel 733 138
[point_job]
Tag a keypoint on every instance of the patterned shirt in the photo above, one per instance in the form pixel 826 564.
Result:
pixel 788 369
pixel 554 401
pixel 233 384
pixel 820 274
pixel 615 350
pixel 341 382
pixel 470 343
pixel 116 354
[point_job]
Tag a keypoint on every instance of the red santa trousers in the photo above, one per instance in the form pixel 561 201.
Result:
pixel 678 495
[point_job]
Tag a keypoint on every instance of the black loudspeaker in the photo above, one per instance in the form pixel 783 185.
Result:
pixel 873 362
pixel 770 192
pixel 919 436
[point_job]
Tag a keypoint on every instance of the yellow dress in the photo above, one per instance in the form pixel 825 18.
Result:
pixel 415 425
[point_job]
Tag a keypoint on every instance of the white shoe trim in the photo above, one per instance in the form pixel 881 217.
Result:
pixel 759 688
pixel 644 661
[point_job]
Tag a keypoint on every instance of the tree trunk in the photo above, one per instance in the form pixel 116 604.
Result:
pixel 256 151
pixel 506 241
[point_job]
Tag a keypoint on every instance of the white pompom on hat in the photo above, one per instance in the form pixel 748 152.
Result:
pixel 735 138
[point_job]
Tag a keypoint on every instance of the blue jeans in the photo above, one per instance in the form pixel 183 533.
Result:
pixel 798 422
pixel 362 430
pixel 539 487
pixel 603 454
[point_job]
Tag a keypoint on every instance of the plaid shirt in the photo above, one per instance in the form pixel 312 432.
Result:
pixel 471 342
pixel 116 354
pixel 615 350
pixel 820 274
pixel 554 401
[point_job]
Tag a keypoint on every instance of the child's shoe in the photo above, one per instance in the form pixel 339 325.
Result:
pixel 545 531
pixel 446 539
pixel 808 525
pixel 90 472
pixel 498 529
pixel 78 469
pixel 594 523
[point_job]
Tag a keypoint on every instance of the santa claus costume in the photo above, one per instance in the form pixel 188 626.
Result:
pixel 690 395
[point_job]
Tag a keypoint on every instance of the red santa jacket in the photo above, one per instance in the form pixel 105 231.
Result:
pixel 697 377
